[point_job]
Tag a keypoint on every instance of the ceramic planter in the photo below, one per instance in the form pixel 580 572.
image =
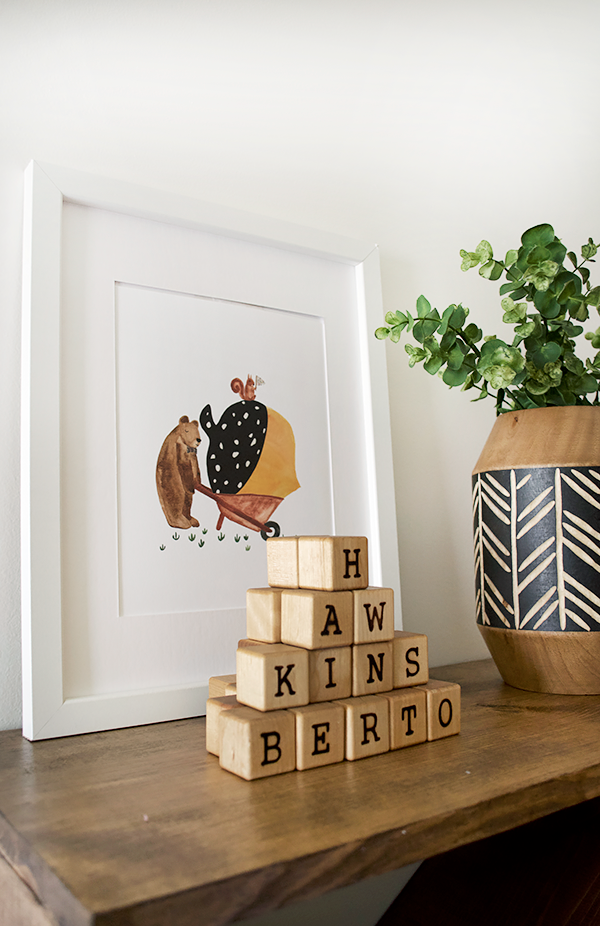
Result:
pixel 536 522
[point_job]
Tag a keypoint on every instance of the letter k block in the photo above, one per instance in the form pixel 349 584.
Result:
pixel 272 676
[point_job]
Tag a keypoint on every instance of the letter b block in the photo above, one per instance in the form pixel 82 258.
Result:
pixel 255 745
pixel 367 726
pixel 272 676
pixel 316 620
pixel 333 563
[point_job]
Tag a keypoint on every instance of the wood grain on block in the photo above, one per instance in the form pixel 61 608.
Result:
pixel 319 734
pixel 256 744
pixel 247 642
pixel 329 674
pixel 443 708
pixel 214 706
pixel 282 562
pixel 411 659
pixel 367 726
pixel 333 563
pixel 408 717
pixel 272 676
pixel 372 668
pixel 220 685
pixel 263 614
pixel 316 619
pixel 373 614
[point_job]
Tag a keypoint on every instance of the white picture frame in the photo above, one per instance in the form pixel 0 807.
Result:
pixel 47 712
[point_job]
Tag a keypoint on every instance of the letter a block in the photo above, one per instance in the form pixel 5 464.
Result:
pixel 333 563
pixel 282 562
pixel 372 668
pixel 329 674
pixel 214 706
pixel 373 614
pixel 408 717
pixel 367 726
pixel 263 614
pixel 316 620
pixel 443 708
pixel 272 676
pixel 255 745
pixel 319 734
pixel 411 659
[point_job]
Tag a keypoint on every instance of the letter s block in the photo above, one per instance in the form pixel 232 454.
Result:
pixel 411 659
pixel 255 744
pixel 367 726
pixel 373 614
pixel 443 708
pixel 319 734
pixel 272 676
pixel 333 563
pixel 316 620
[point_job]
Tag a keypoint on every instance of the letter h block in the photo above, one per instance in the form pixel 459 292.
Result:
pixel 255 744
pixel 333 563
pixel 272 676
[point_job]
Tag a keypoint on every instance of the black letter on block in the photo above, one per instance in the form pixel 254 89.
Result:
pixel 320 738
pixel 332 621
pixel 449 721
pixel 375 617
pixel 411 710
pixel 369 729
pixel 373 667
pixel 271 747
pixel 412 662
pixel 330 684
pixel 352 562
pixel 284 680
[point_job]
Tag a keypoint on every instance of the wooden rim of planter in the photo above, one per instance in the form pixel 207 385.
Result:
pixel 555 662
pixel 555 436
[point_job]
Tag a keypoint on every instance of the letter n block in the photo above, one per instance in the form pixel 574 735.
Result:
pixel 367 726
pixel 255 744
pixel 263 614
pixel 372 668
pixel 329 674
pixel 214 706
pixel 282 562
pixel 411 659
pixel 443 708
pixel 319 734
pixel 333 563
pixel 272 676
pixel 408 717
pixel 373 614
pixel 316 620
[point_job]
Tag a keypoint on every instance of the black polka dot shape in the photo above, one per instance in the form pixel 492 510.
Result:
pixel 235 444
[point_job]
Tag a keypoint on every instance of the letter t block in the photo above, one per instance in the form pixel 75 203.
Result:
pixel 272 676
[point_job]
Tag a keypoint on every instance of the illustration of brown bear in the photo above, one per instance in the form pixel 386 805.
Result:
pixel 177 473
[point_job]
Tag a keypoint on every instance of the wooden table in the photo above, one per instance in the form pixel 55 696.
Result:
pixel 141 826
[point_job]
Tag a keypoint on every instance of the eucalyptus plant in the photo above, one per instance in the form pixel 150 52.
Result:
pixel 544 301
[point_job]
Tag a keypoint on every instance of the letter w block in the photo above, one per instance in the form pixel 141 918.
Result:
pixel 272 676
pixel 373 614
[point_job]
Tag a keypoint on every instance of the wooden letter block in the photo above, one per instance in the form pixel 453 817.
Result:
pixel 408 717
pixel 329 674
pixel 443 708
pixel 282 562
pixel 272 676
pixel 372 668
pixel 319 734
pixel 263 614
pixel 333 563
pixel 255 745
pixel 214 706
pixel 411 659
pixel 367 726
pixel 316 620
pixel 221 685
pixel 373 614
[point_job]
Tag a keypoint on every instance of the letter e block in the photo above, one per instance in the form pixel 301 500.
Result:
pixel 333 563
pixel 372 668
pixel 319 734
pixel 221 685
pixel 373 614
pixel 263 614
pixel 408 717
pixel 255 744
pixel 367 726
pixel 282 562
pixel 329 674
pixel 411 659
pixel 316 620
pixel 443 708
pixel 214 706
pixel 272 676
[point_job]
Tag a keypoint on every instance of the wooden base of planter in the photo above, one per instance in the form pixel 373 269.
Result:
pixel 537 660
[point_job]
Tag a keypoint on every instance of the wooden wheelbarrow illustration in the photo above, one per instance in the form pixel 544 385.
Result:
pixel 250 511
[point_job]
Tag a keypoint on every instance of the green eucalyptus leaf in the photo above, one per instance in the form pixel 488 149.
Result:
pixel 538 235
pixel 448 341
pixel 484 251
pixel 455 377
pixel 589 250
pixel 492 270
pixel 593 297
pixel 469 259
pixel 395 334
pixel 445 320
pixel 391 318
pixel 415 354
pixel 547 353
pixel 455 358
pixel 423 307
pixel 585 274
pixel 433 364
pixel 473 334
pixel 382 333
pixel 509 287
pixel 458 317
pixel 499 375
pixel 541 274
pixel 424 328
pixel 524 330
pixel 572 257
pixel 511 257
pixel 574 364
pixel 557 251
pixel 594 337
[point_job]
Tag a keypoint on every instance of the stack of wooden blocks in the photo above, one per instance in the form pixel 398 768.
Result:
pixel 323 675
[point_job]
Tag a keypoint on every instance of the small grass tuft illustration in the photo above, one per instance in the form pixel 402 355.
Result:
pixel 245 536
pixel 237 538
pixel 162 547
pixel 176 536
pixel 200 543
pixel 220 536
pixel 191 537
pixel 248 547
pixel 205 530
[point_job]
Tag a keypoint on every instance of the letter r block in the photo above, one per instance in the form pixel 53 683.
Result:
pixel 333 563
pixel 373 614
pixel 255 744
pixel 319 734
pixel 443 708
pixel 263 614
pixel 272 676
pixel 411 659
pixel 367 726
pixel 316 620
pixel 372 668
pixel 282 562
pixel 408 717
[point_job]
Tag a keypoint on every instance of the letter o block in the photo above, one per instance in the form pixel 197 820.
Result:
pixel 372 668
pixel 315 619
pixel 319 734
pixel 411 659
pixel 373 614
pixel 367 726
pixel 443 708
pixel 333 563
pixel 408 717
pixel 272 676
pixel 256 745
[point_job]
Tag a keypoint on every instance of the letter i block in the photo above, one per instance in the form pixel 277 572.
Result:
pixel 263 614
pixel 367 726
pixel 333 563
pixel 255 744
pixel 329 674
pixel 214 706
pixel 372 668
pixel 282 562
pixel 373 614
pixel 408 717
pixel 443 708
pixel 411 659
pixel 319 734
pixel 272 676
pixel 316 620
